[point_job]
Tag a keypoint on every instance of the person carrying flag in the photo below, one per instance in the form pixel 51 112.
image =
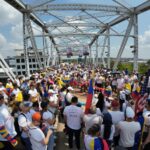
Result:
pixel 90 94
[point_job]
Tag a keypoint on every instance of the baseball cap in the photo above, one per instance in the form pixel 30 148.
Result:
pixel 51 91
pixel 129 112
pixel 36 116
pixel 26 104
pixel 70 88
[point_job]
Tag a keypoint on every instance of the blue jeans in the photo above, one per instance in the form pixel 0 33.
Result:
pixel 50 145
pixel 51 142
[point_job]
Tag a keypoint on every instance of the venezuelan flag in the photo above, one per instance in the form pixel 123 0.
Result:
pixel 89 96
pixel 96 144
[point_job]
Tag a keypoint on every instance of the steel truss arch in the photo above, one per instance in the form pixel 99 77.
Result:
pixel 80 31
pixel 91 7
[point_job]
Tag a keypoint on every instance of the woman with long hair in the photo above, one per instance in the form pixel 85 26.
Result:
pixel 100 104
pixel 107 129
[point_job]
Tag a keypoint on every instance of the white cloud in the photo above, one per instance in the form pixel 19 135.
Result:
pixel 3 41
pixel 17 32
pixel 7 48
pixel 11 20
pixel 8 14
pixel 15 45
pixel 144 45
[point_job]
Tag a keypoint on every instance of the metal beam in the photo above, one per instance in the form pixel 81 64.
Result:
pixel 42 4
pixel 104 24
pixel 94 25
pixel 68 38
pixel 108 47
pixel 142 8
pixel 6 68
pixel 80 34
pixel 22 8
pixel 70 45
pixel 75 27
pixel 32 39
pixel 135 51
pixel 84 17
pixel 137 10
pixel 96 56
pixel 92 7
pixel 123 44
pixel 25 48
pixel 102 53
pixel 122 5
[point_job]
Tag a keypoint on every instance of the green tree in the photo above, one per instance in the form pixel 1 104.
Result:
pixel 148 62
pixel 143 67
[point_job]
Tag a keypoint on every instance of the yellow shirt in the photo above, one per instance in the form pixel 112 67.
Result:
pixel 19 97
pixel 128 86
pixel 60 83
pixel 9 85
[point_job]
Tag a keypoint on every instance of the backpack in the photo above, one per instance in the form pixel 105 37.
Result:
pixel 17 127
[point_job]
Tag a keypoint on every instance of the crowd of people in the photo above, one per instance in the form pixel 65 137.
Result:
pixel 118 118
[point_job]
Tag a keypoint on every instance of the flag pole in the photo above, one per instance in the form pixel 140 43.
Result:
pixel 140 144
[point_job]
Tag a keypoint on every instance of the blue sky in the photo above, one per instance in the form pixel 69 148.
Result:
pixel 11 28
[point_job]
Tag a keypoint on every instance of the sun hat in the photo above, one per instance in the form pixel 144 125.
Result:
pixel 129 112
pixel 70 88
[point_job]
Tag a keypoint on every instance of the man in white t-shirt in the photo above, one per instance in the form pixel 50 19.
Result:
pixel 38 140
pixel 115 113
pixel 92 118
pixel 73 116
pixel 128 129
pixel 117 116
pixel 120 83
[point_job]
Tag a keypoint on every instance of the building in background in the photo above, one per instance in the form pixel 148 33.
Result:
pixel 20 66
